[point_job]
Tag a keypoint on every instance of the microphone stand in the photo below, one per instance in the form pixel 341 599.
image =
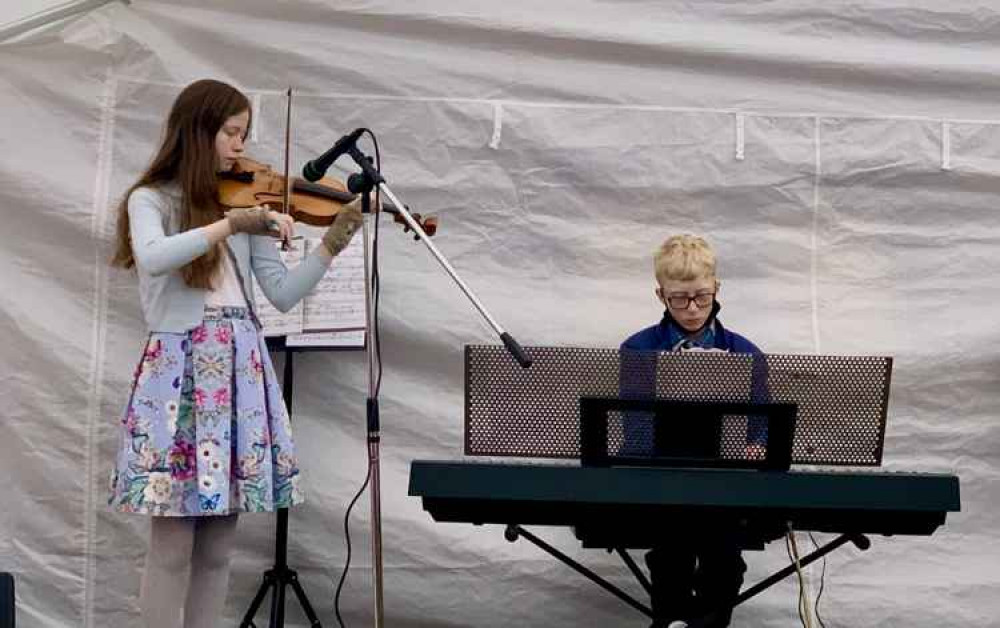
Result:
pixel 362 184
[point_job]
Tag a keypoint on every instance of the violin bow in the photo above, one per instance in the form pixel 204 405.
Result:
pixel 286 205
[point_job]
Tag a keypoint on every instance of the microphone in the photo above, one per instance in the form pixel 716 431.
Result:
pixel 315 169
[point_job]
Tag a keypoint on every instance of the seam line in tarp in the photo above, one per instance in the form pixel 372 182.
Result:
pixel 99 223
pixel 571 105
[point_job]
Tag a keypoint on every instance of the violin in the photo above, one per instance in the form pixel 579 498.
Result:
pixel 251 183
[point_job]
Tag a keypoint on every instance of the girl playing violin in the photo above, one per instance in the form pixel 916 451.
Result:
pixel 205 434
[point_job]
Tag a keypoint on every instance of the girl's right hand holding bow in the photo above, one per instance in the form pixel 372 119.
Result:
pixel 260 221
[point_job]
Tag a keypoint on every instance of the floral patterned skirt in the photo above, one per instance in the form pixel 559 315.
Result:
pixel 205 431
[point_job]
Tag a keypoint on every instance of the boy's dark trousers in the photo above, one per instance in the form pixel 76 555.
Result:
pixel 692 576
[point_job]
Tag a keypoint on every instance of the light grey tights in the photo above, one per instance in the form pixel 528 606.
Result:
pixel 187 567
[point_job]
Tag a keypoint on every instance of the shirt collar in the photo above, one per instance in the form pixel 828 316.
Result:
pixel 678 338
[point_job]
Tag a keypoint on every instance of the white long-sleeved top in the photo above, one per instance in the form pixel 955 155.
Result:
pixel 170 305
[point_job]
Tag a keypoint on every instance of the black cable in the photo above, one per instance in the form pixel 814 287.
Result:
pixel 347 539
pixel 377 346
pixel 376 277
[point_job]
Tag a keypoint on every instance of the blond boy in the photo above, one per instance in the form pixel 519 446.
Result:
pixel 693 571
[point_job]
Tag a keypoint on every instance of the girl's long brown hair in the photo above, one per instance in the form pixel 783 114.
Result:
pixel 187 155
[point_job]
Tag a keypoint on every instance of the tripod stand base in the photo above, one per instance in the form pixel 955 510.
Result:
pixel 280 576
pixel 278 579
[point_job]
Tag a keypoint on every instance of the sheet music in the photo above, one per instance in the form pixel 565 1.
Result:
pixel 275 322
pixel 353 338
pixel 338 301
pixel 333 313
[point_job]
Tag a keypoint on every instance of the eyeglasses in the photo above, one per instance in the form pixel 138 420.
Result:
pixel 683 301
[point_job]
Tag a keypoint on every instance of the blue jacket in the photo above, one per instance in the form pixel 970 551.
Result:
pixel 638 370
pixel 161 250
pixel 658 337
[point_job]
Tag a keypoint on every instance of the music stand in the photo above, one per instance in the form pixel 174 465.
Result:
pixel 693 439
pixel 280 576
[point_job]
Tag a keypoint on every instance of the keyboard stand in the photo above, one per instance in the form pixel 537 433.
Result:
pixel 513 532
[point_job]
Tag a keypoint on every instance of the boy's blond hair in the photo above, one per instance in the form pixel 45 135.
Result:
pixel 684 257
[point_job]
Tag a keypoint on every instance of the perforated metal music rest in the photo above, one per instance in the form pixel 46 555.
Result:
pixel 535 413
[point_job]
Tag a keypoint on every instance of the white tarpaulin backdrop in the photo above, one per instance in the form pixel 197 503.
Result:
pixel 842 157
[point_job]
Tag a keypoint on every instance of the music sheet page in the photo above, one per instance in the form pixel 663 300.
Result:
pixel 338 301
pixel 353 338
pixel 333 314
